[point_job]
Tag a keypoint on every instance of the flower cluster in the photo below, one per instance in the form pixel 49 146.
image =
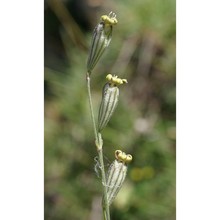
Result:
pixel 110 95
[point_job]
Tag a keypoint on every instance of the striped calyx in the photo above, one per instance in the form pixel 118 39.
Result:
pixel 116 174
pixel 109 101
pixel 101 38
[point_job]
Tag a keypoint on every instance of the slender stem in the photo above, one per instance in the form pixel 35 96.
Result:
pixel 91 106
pixel 105 204
pixel 99 144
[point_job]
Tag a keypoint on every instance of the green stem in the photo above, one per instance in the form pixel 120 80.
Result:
pixel 91 106
pixel 105 204
pixel 99 144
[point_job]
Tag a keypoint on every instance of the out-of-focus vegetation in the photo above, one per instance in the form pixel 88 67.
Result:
pixel 143 51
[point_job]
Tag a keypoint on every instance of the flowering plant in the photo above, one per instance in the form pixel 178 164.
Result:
pixel 113 180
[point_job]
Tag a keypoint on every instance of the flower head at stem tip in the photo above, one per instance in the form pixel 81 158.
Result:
pixel 115 80
pixel 122 156
pixel 109 19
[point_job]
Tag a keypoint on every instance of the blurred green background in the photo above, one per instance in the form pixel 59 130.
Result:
pixel 143 51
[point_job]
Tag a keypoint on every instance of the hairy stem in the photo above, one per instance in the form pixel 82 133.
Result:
pixel 99 144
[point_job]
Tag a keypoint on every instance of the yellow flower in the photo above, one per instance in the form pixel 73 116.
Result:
pixel 122 156
pixel 115 81
pixel 109 19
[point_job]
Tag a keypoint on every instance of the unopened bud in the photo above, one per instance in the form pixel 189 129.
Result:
pixel 101 38
pixel 116 174
pixel 108 104
pixel 109 101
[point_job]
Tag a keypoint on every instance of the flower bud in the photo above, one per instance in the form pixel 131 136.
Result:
pixel 101 38
pixel 116 175
pixel 108 104
pixel 109 101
